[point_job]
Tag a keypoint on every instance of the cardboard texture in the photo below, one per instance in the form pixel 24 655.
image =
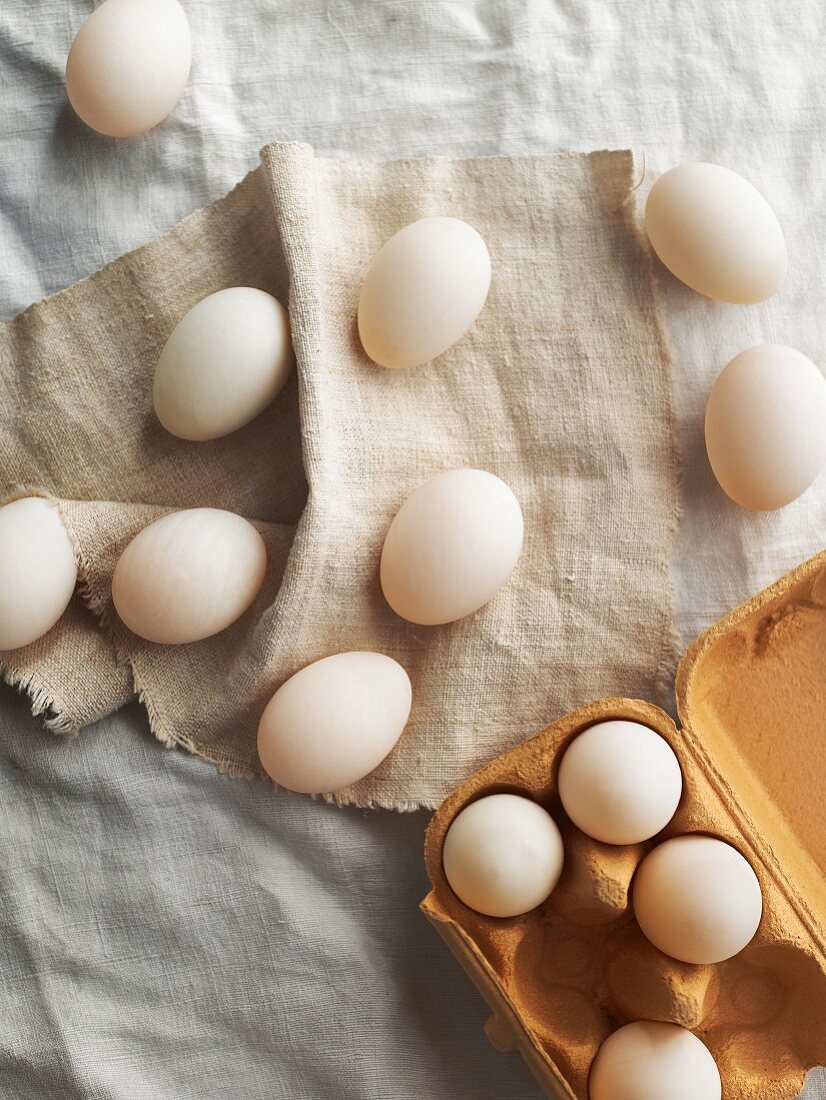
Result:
pixel 751 698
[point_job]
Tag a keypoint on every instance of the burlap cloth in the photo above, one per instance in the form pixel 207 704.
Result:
pixel 562 388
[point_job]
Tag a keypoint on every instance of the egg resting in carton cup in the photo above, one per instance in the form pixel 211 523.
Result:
pixel 561 389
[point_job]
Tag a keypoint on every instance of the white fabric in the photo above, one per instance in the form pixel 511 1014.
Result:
pixel 287 960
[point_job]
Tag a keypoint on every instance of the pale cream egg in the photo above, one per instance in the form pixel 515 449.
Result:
pixel 189 575
pixel 128 65
pixel 648 1060
pixel 697 899
pixel 423 291
pixel 715 232
pixel 452 545
pixel 37 570
pixel 226 360
pixel 503 855
pixel 620 782
pixel 766 426
pixel 334 721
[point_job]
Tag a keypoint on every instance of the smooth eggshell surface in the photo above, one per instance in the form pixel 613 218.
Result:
pixel 715 232
pixel 620 782
pixel 128 65
pixel 766 426
pixel 452 545
pixel 224 363
pixel 334 721
pixel 503 855
pixel 423 291
pixel 654 1061
pixel 697 899
pixel 189 575
pixel 37 570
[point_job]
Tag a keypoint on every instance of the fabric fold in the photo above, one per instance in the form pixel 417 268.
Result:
pixel 562 389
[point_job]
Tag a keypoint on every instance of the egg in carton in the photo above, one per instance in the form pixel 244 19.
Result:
pixel 751 698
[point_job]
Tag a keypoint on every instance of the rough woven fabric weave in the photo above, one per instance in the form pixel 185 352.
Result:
pixel 562 389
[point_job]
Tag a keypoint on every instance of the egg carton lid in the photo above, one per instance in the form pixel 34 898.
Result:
pixel 751 697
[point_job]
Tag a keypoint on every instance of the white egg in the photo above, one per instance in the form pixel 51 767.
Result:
pixel 423 291
pixel 715 232
pixel 224 363
pixel 766 426
pixel 189 575
pixel 334 721
pixel 128 65
pixel 452 545
pixel 697 899
pixel 503 855
pixel 37 570
pixel 620 782
pixel 648 1060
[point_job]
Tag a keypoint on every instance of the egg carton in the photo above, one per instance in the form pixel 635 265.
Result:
pixel 751 698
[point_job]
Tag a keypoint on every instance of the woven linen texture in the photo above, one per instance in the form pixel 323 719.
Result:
pixel 562 389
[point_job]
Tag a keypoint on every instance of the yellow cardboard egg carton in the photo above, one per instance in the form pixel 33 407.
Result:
pixel 751 699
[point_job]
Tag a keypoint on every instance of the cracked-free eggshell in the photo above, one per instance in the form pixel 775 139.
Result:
pixel 620 782
pixel 503 855
pixel 765 426
pixel 424 289
pixel 189 575
pixel 38 571
pixel 451 546
pixel 697 899
pixel 334 721
pixel 128 65
pixel 225 361
pixel 651 1060
pixel 713 229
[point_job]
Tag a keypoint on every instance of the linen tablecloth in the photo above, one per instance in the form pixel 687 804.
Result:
pixel 288 960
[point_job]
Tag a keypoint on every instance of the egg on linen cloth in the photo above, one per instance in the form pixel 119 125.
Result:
pixel 128 65
pixel 620 782
pixel 503 855
pixel 715 232
pixel 189 575
pixel 648 1060
pixel 423 291
pixel 766 426
pixel 37 570
pixel 451 546
pixel 334 721
pixel 697 899
pixel 226 360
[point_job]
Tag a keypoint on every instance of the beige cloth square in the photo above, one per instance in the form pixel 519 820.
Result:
pixel 562 389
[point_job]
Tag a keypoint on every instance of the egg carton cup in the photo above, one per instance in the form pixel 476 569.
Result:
pixel 751 699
